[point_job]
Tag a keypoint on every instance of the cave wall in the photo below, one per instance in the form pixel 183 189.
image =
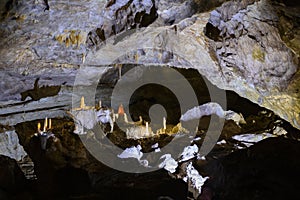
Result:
pixel 250 47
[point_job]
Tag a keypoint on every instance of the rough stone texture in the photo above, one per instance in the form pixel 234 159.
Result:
pixel 121 15
pixel 58 34
pixel 68 170
pixel 174 11
pixel 12 180
pixel 262 70
pixel 10 147
pixel 267 170
pixel 249 47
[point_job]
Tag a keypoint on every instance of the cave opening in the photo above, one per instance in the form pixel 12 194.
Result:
pixel 70 161
pixel 152 94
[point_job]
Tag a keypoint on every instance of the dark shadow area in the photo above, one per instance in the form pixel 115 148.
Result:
pixel 38 92
pixel 265 171
pixel 146 96
pixel 66 170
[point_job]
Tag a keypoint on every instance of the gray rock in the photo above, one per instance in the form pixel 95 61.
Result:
pixel 254 49
pixel 251 48
pixel 10 147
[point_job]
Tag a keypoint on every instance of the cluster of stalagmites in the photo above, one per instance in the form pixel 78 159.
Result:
pixel 88 116
pixel 46 133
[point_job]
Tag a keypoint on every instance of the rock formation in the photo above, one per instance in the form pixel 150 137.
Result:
pixel 53 53
pixel 249 47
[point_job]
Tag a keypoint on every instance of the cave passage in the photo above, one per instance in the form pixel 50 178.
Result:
pixel 151 94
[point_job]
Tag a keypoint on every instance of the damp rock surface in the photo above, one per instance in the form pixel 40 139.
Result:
pixel 250 47
pixel 49 49
pixel 10 146
pixel 266 170
pixel 68 170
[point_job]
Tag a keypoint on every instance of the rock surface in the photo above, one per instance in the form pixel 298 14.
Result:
pixel 12 180
pixel 67 169
pixel 250 48
pixel 266 170
pixel 10 147
pixel 246 46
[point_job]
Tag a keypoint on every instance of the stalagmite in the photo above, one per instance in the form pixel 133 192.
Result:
pixel 50 124
pixel 147 129
pixel 45 124
pixel 113 117
pixel 100 104
pixel 119 66
pixel 125 118
pixel 120 71
pixel 39 128
pixel 82 104
pixel 121 110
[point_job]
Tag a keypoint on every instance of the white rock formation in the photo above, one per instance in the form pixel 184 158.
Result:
pixel 189 152
pixel 252 138
pixel 132 152
pixel 84 119
pixel 195 180
pixel 209 109
pixel 137 132
pixel 169 163
pixel 10 146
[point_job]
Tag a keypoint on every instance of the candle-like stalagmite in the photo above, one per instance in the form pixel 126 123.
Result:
pixel 45 124
pixel 82 104
pixel 125 118
pixel 100 104
pixel 120 70
pixel 50 124
pixel 121 110
pixel 136 57
pixel 147 129
pixel 39 128
pixel 113 117
pixel 164 123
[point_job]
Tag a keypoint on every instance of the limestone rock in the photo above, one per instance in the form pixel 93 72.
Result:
pixel 272 162
pixel 174 11
pixel 10 147
pixel 250 47
pixel 120 15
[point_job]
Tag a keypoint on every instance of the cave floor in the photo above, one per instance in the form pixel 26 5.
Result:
pixel 264 170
